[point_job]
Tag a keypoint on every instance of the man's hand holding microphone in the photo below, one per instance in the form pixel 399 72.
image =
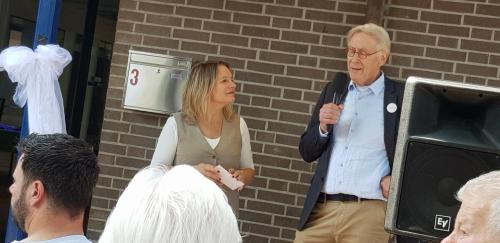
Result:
pixel 329 114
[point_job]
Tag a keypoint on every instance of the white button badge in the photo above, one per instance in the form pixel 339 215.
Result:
pixel 391 108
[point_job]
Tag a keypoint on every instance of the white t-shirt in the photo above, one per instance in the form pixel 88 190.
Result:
pixel 64 239
pixel 167 145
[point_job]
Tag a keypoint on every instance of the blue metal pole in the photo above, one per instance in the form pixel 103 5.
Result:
pixel 45 33
pixel 47 22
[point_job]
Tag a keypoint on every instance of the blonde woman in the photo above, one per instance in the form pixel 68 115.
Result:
pixel 207 132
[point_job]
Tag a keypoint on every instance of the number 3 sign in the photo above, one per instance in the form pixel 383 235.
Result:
pixel 155 82
pixel 135 76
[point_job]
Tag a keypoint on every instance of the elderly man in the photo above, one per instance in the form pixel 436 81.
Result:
pixel 354 144
pixel 53 183
pixel 478 219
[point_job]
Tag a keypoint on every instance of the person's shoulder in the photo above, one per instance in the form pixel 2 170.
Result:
pixel 396 83
pixel 339 76
pixel 72 239
pixel 242 121
pixel 178 117
pixel 179 114
pixel 171 118
pixel 63 239
pixel 341 81
pixel 328 85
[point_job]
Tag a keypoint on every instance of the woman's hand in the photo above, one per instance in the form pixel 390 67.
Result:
pixel 237 176
pixel 244 175
pixel 210 172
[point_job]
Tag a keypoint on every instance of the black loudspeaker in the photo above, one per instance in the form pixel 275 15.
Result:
pixel 449 133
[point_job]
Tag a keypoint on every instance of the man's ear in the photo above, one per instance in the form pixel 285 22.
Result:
pixel 36 193
pixel 384 57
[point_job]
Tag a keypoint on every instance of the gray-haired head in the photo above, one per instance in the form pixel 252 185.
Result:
pixel 486 190
pixel 176 205
pixel 377 32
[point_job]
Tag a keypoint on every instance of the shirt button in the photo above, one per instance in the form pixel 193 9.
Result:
pixel 341 165
pixel 213 156
pixel 345 147
pixel 356 114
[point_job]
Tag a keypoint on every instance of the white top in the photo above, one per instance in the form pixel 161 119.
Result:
pixel 64 239
pixel 167 145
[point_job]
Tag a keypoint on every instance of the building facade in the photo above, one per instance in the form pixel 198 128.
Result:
pixel 282 52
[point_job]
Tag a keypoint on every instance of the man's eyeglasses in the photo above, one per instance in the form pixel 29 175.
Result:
pixel 361 54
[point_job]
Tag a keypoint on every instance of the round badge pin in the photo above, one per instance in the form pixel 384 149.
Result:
pixel 391 108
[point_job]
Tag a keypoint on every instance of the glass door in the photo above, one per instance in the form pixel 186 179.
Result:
pixel 91 50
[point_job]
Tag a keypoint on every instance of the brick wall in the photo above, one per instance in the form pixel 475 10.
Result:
pixel 282 52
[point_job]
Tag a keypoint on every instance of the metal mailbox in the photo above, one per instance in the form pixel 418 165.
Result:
pixel 155 82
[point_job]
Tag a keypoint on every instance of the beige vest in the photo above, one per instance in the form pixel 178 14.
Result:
pixel 193 148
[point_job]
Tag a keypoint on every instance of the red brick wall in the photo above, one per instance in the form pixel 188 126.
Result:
pixel 282 52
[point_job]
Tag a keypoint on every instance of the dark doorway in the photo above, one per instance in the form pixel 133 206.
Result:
pixel 86 30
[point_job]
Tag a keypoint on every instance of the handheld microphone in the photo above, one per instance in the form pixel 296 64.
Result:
pixel 340 83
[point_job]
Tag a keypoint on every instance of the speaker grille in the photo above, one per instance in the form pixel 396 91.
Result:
pixel 433 174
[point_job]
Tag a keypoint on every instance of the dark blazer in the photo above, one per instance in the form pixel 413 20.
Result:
pixel 313 147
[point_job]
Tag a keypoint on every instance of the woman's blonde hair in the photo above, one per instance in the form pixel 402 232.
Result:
pixel 200 83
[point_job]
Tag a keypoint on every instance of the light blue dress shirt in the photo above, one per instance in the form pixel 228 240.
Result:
pixel 359 160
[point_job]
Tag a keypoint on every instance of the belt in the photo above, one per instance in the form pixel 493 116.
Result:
pixel 323 197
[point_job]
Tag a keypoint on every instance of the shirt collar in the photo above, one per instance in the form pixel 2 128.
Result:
pixel 376 87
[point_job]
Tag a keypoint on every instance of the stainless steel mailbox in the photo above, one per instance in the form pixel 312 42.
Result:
pixel 155 82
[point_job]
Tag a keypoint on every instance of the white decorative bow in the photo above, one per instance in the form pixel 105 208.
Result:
pixel 36 73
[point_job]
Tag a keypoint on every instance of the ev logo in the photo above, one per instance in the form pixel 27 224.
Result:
pixel 442 223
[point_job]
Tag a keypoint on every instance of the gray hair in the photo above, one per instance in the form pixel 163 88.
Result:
pixel 377 32
pixel 176 205
pixel 487 187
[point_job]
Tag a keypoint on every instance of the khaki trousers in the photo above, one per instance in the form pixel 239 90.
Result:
pixel 345 222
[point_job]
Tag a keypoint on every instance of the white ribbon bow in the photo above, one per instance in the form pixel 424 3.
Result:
pixel 36 73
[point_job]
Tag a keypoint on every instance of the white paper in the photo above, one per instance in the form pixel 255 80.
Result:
pixel 227 179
